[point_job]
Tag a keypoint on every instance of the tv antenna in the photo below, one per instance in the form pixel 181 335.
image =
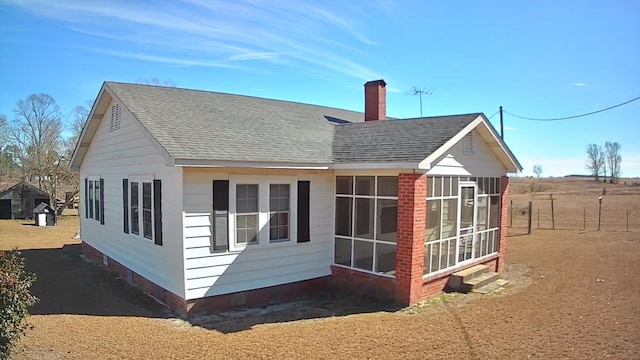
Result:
pixel 420 92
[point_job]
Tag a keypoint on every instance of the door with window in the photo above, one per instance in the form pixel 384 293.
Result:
pixel 467 214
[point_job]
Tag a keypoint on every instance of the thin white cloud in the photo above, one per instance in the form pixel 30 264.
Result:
pixel 510 128
pixel 393 90
pixel 579 84
pixel 309 38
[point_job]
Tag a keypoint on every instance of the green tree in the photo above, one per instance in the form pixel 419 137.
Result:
pixel 15 299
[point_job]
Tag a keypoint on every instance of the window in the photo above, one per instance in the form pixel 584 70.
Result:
pixel 94 198
pixel 448 211
pixel 247 214
pixel 146 210
pixel 267 211
pixel 278 212
pixel 115 117
pixel 366 216
pixel 135 215
pixel 143 219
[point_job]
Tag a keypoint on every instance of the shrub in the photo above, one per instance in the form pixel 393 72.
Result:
pixel 15 299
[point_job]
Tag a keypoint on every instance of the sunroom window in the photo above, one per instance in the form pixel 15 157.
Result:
pixel 462 220
pixel 366 211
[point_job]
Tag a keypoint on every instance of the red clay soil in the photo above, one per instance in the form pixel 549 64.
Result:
pixel 574 296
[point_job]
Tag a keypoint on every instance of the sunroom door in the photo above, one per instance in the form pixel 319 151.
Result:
pixel 467 215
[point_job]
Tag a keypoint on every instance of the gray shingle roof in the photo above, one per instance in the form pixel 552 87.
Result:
pixel 396 140
pixel 201 125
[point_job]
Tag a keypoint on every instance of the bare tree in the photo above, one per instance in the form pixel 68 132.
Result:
pixel 36 138
pixel 3 131
pixel 537 170
pixel 155 81
pixel 595 160
pixel 612 153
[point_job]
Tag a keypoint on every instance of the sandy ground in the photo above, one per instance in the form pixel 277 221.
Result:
pixel 574 295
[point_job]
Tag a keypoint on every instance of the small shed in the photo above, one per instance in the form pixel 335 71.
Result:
pixel 44 215
pixel 19 201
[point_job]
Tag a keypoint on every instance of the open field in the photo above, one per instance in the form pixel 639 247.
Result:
pixel 575 295
pixel 575 204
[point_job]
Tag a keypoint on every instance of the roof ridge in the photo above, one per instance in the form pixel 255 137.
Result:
pixel 171 88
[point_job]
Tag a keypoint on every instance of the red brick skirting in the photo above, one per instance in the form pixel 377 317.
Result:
pixel 188 308
pixel 363 284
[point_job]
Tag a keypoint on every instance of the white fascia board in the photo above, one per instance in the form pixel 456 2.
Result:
pixel 90 127
pixel 427 163
pixel 248 164
pixel 375 165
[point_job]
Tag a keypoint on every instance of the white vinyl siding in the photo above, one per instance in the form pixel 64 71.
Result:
pixel 482 162
pixel 267 264
pixel 124 154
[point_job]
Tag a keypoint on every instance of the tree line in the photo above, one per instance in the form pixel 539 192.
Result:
pixel 37 144
pixel 604 161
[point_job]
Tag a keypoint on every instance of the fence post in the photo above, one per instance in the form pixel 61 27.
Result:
pixel 538 218
pixel 553 218
pixel 584 218
pixel 511 214
pixel 627 220
pixel 599 211
pixel 529 219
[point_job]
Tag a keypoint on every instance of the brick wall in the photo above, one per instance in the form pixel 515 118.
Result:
pixel 363 284
pixel 187 308
pixel 412 208
pixel 504 215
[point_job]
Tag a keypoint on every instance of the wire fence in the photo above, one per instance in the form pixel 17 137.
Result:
pixel 575 212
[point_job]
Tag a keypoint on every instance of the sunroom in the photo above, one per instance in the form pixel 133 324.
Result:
pixel 407 231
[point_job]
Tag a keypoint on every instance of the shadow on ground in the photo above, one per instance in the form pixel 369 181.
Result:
pixel 67 284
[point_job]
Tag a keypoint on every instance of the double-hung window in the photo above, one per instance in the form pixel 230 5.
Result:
pixel 247 214
pixel 142 207
pixel 263 210
pixel 94 198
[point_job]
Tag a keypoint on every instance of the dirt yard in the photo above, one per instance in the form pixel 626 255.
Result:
pixel 574 295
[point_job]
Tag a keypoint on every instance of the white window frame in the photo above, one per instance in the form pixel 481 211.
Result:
pixel 353 237
pixel 93 195
pixel 492 234
pixel 141 179
pixel 263 183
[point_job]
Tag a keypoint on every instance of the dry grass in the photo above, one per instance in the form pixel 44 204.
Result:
pixel 575 296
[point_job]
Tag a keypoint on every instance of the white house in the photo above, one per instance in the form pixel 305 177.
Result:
pixel 209 200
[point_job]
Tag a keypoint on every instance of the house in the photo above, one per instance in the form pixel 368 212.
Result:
pixel 19 201
pixel 208 200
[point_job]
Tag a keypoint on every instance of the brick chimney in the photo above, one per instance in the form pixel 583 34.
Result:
pixel 375 100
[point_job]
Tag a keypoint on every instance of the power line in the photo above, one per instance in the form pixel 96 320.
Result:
pixel 494 114
pixel 574 116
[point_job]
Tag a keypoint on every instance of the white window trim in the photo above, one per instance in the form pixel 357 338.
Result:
pixel 488 194
pixel 353 237
pixel 94 178
pixel 263 209
pixel 140 179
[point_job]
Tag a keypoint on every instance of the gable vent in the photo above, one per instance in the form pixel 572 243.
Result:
pixel 468 143
pixel 115 117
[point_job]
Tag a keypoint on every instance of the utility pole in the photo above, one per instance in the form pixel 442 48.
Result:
pixel 420 92
pixel 501 125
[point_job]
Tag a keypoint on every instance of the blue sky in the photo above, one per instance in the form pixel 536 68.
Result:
pixel 535 58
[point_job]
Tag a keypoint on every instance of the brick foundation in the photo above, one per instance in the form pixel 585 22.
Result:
pixel 363 284
pixel 188 308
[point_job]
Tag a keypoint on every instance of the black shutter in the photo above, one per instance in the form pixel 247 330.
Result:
pixel 157 211
pixel 220 215
pixel 101 201
pixel 86 198
pixel 303 211
pixel 125 204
